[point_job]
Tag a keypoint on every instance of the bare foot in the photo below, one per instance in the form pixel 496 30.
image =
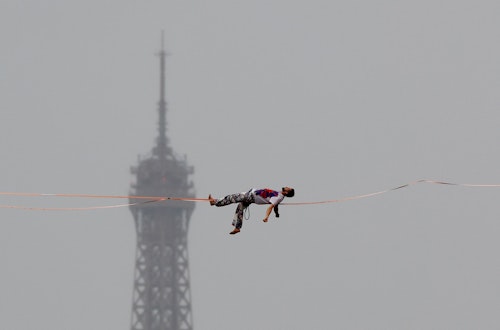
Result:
pixel 235 231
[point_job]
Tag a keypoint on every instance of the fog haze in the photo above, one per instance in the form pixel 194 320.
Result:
pixel 332 98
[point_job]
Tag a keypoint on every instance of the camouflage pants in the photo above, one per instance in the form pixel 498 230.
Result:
pixel 244 199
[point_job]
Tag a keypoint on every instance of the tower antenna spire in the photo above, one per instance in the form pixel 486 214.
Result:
pixel 162 39
pixel 162 142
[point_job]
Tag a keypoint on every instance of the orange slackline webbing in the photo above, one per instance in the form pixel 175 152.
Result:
pixel 35 208
pixel 155 199
pixel 102 196
pixel 392 189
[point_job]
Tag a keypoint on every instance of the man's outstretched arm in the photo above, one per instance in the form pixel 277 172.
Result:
pixel 268 212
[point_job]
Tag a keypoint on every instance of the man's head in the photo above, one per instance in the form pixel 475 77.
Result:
pixel 287 191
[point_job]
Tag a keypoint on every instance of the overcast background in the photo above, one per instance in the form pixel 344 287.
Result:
pixel 334 98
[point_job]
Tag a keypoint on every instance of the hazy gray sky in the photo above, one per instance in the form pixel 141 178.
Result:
pixel 335 98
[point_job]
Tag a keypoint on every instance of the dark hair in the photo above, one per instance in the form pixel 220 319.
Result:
pixel 290 193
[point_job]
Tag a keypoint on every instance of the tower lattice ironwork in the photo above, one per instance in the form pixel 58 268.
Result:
pixel 162 295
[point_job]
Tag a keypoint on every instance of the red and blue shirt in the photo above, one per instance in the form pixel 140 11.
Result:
pixel 267 196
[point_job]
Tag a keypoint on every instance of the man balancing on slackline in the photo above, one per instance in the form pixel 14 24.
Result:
pixel 257 196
